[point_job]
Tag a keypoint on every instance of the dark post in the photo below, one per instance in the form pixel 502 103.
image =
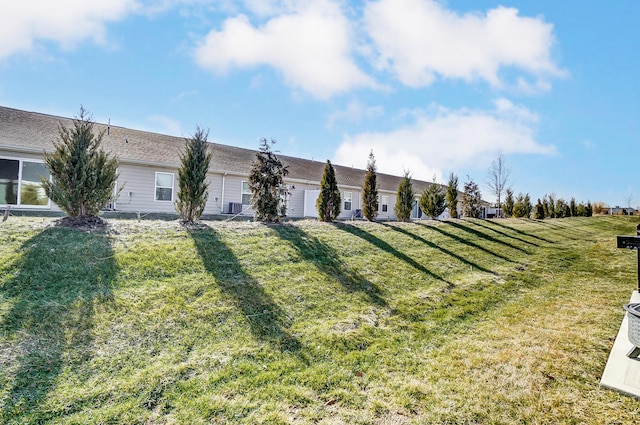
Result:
pixel 638 233
pixel 632 242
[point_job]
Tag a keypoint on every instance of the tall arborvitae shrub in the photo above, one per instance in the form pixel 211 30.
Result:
pixel 83 176
pixel 192 176
pixel 589 209
pixel 404 200
pixel 538 211
pixel 507 207
pixel 573 208
pixel 266 181
pixel 433 200
pixel 370 190
pixel 328 202
pixel 452 195
pixel 522 206
pixel 471 200
pixel 561 209
pixel 552 206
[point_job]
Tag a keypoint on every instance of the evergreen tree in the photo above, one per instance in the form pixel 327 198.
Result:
pixel 433 200
pixel 527 205
pixel 581 210
pixel 328 202
pixel 552 206
pixel 589 209
pixel 562 210
pixel 545 206
pixel 538 212
pixel 519 207
pixel 471 200
pixel 573 209
pixel 83 176
pixel 192 176
pixel 452 195
pixel 522 206
pixel 266 180
pixel 370 191
pixel 404 201
pixel 507 207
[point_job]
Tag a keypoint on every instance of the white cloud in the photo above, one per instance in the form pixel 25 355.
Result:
pixel 66 22
pixel 310 46
pixel 354 112
pixel 419 40
pixel 442 139
pixel 165 125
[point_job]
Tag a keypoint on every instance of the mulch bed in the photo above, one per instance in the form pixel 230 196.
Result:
pixel 82 223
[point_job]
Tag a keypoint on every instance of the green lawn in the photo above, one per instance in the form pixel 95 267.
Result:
pixel 463 321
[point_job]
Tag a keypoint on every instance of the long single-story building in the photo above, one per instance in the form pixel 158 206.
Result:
pixel 148 167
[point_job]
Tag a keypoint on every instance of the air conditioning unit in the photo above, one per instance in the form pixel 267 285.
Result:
pixel 234 208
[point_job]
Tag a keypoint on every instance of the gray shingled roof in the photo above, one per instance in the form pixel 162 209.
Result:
pixel 35 132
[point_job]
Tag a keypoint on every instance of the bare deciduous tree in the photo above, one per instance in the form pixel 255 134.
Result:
pixel 499 175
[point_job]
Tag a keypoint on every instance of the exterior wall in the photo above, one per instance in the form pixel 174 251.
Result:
pixel 356 203
pixel 295 201
pixel 138 193
pixel 214 202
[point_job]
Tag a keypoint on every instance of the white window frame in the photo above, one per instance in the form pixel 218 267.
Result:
pixel 243 192
pixel 18 203
pixel 350 201
pixel 384 203
pixel 156 187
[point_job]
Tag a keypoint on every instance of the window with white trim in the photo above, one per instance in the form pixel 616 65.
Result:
pixel 347 201
pixel 384 204
pixel 246 193
pixel 20 183
pixel 164 186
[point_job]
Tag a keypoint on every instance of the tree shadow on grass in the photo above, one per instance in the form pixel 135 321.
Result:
pixel 356 231
pixel 497 230
pixel 60 276
pixel 482 235
pixel 434 246
pixel 486 223
pixel 326 260
pixel 565 231
pixel 266 319
pixel 464 241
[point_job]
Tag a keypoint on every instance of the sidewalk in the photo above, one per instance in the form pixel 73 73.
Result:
pixel 621 373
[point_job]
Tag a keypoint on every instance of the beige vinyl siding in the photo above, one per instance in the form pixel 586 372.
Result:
pixel 295 204
pixel 139 189
pixel 355 203
pixel 233 193
pixel 214 202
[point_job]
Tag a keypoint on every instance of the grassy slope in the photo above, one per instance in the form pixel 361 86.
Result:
pixel 506 321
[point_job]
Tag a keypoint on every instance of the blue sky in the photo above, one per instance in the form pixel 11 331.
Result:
pixel 430 86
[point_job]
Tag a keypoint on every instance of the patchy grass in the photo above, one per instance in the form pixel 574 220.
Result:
pixel 463 321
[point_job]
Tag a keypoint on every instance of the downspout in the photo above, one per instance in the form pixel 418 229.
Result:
pixel 222 194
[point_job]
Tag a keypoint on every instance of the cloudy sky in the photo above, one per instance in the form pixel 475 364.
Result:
pixel 430 86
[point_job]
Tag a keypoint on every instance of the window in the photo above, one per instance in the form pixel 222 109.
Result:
pixel 164 187
pixel 385 203
pixel 347 201
pixel 246 194
pixel 20 183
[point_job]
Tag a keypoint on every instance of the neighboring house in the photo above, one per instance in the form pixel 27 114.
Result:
pixel 148 169
pixel 621 211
